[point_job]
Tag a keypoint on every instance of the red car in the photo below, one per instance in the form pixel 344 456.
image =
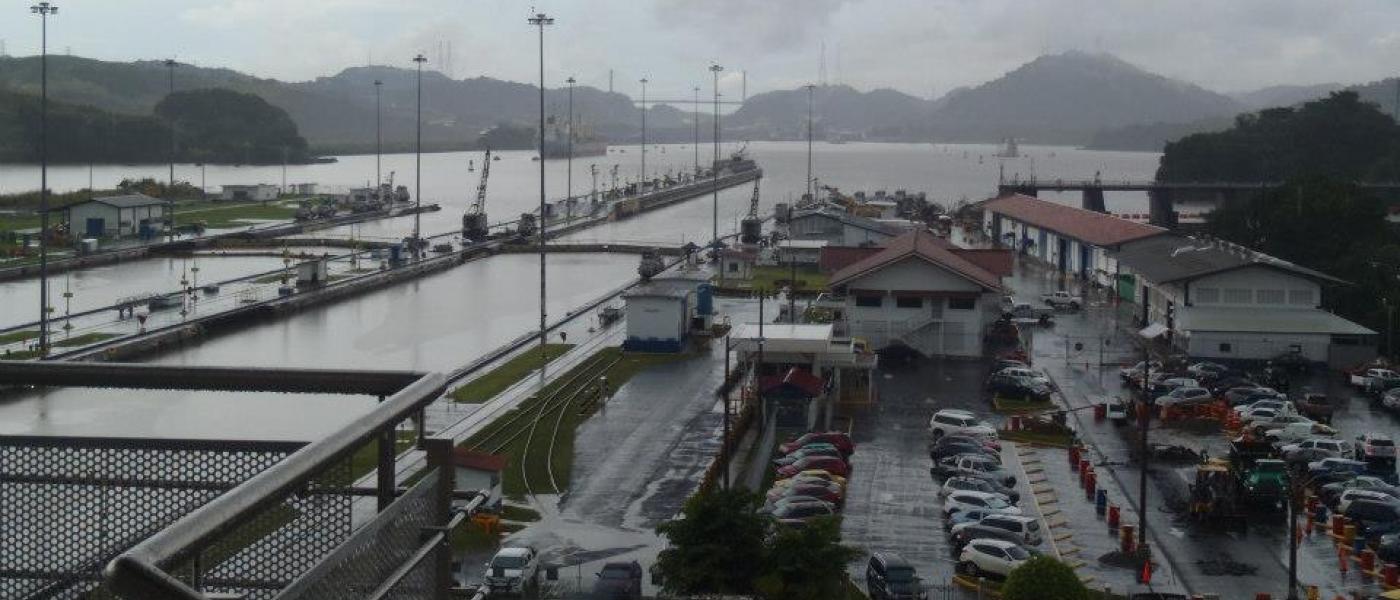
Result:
pixel 835 438
pixel 830 464
pixel 829 493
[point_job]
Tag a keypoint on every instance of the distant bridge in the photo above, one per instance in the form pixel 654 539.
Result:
pixel 1162 195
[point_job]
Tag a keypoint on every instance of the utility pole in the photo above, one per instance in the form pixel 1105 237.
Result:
pixel 44 9
pixel 569 204
pixel 697 130
pixel 378 139
pixel 170 187
pixel 1144 411
pixel 810 192
pixel 714 169
pixel 610 81
pixel 539 21
pixel 418 160
pixel 643 187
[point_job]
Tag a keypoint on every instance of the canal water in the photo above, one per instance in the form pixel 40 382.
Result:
pixel 450 318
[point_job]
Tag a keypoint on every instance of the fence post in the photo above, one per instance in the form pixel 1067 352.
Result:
pixel 384 481
pixel 439 450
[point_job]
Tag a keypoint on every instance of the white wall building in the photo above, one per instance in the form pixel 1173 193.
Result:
pixel 661 313
pixel 837 228
pixel 1070 239
pixel 802 252
pixel 130 215
pixel 260 192
pixel 1223 301
pixel 918 292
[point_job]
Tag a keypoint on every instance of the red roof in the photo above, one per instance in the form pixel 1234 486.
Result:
pixel 480 461
pixel 997 261
pixel 835 258
pixel 925 246
pixel 1095 228
pixel 809 384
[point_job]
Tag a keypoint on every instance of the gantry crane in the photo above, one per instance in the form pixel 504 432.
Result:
pixel 474 224
pixel 751 228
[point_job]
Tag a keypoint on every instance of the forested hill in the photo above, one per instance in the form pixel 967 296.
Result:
pixel 1339 136
pixel 211 125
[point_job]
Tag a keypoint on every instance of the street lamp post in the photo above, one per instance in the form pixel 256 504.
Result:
pixel 697 130
pixel 810 191
pixel 714 168
pixel 44 9
pixel 170 188
pixel 569 176
pixel 418 161
pixel 539 21
pixel 643 187
pixel 378 140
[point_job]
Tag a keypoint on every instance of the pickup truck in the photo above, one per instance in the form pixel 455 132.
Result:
pixel 1376 380
pixel 1315 406
pixel 1296 432
pixel 1061 299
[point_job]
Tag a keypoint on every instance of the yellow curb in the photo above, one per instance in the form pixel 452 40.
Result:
pixel 1041 489
pixel 1064 536
pixel 1050 513
pixel 1034 471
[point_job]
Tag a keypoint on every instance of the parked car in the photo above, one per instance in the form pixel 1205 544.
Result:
pixel 1375 380
pixel 1003 384
pixel 1295 432
pixel 1345 498
pixel 1134 372
pixel 619 580
pixel 991 557
pixel 1261 426
pixel 1206 370
pixel 832 465
pixel 1025 528
pixel 811 446
pixel 826 492
pixel 1375 446
pixel 1116 410
pixel 1315 406
pixel 1167 383
pixel 1062 300
pixel 952 421
pixel 1336 465
pixel 805 452
pixel 1184 395
pixel 978 484
pixel 1372 518
pixel 889 577
pixel 982 467
pixel 1027 373
pixel 1236 395
pixel 1329 493
pixel 970 500
pixel 1256 395
pixel 797 514
pixel 512 570
pixel 822 474
pixel 1279 405
pixel 773 504
pixel 988 443
pixel 1390 400
pixel 1313 449
pixel 967 532
pixel 836 438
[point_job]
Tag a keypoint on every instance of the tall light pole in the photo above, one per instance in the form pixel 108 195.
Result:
pixel 170 188
pixel 539 21
pixel 569 178
pixel 44 9
pixel 810 191
pixel 418 160
pixel 378 139
pixel 643 187
pixel 697 130
pixel 714 168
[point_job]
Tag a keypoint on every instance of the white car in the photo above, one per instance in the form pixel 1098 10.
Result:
pixel 1028 527
pixel 1250 417
pixel 985 501
pixel 1344 500
pixel 1183 395
pixel 951 421
pixel 1282 406
pixel 1262 426
pixel 1116 410
pixel 1296 432
pixel 991 557
pixel 1315 448
pixel 512 570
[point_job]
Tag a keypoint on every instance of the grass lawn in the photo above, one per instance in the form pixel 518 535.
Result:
pixel 19 355
pixel 467 538
pixel 18 221
pixel 1058 440
pixel 18 336
pixel 536 462
pixel 83 339
pixel 498 379
pixel 770 279
pixel 216 216
pixel 519 514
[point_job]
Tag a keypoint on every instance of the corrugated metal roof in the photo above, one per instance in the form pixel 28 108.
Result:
pixel 925 246
pixel 1171 258
pixel 127 201
pixel 1254 320
pixel 846 218
pixel 1095 228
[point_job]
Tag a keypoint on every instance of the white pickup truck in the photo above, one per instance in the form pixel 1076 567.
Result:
pixel 1376 380
pixel 1062 299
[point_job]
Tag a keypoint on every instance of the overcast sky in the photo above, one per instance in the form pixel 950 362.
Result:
pixel 917 46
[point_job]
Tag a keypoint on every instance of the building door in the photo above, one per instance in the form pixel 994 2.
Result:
pixel 94 227
pixel 1063 258
pixel 1085 260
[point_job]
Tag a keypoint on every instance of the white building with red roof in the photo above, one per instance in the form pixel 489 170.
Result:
pixel 1072 240
pixel 919 292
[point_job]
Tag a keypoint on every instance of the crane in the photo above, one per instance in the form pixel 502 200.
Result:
pixel 751 228
pixel 474 224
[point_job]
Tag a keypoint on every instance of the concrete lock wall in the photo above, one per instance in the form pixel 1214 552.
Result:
pixel 1256 346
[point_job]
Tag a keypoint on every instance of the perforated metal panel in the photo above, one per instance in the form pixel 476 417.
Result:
pixel 72 504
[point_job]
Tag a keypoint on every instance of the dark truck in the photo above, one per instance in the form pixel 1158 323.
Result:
pixel 619 580
pixel 1315 406
pixel 1263 479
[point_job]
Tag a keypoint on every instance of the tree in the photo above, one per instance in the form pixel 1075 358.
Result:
pixel 1043 578
pixel 805 562
pixel 716 547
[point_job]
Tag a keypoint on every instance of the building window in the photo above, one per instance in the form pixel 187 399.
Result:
pixel 1225 348
pixel 1301 297
pixel 962 303
pixel 1238 296
pixel 868 300
pixel 733 267
pixel 1207 295
pixel 1270 296
pixel 908 302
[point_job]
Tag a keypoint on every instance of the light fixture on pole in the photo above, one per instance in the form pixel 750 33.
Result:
pixel 44 9
pixel 170 186
pixel 697 130
pixel 811 193
pixel 644 178
pixel 714 168
pixel 539 21
pixel 378 140
pixel 418 162
pixel 569 177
